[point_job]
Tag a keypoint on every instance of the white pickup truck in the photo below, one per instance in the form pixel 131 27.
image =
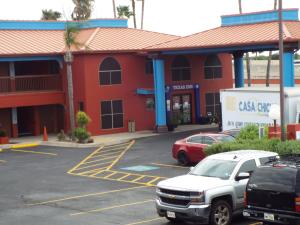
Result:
pixel 213 190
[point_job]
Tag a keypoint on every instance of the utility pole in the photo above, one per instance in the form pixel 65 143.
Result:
pixel 281 49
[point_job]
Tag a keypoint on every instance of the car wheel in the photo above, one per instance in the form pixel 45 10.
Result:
pixel 221 213
pixel 183 159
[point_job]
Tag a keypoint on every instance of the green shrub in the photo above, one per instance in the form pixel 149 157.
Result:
pixel 81 134
pixel 274 145
pixel 61 136
pixel 3 133
pixel 82 119
pixel 249 132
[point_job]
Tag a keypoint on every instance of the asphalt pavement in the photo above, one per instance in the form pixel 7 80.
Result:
pixel 109 185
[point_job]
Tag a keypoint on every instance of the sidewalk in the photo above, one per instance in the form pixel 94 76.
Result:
pixel 107 139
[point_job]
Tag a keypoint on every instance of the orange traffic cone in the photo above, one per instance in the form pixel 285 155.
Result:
pixel 45 136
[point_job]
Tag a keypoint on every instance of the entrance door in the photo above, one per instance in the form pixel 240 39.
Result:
pixel 25 121
pixel 181 105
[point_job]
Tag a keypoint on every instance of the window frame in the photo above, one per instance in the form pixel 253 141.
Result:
pixel 110 73
pixel 214 105
pixel 181 69
pixel 112 114
pixel 212 68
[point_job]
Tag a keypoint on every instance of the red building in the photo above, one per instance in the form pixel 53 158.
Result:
pixel 121 74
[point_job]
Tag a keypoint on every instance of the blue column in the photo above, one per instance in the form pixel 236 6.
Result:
pixel 159 92
pixel 238 70
pixel 288 69
pixel 197 101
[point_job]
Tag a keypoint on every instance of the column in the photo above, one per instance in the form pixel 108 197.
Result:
pixel 12 75
pixel 159 92
pixel 288 68
pixel 238 69
pixel 168 102
pixel 37 121
pixel 14 120
pixel 197 102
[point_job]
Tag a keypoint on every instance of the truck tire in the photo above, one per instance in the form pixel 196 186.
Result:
pixel 221 213
pixel 183 159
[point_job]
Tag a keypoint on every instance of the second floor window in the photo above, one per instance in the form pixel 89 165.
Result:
pixel 110 72
pixel 212 67
pixel 181 69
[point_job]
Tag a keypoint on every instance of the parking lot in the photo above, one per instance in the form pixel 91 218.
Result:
pixel 108 185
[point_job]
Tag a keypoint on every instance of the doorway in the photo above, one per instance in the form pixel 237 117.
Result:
pixel 25 121
pixel 181 106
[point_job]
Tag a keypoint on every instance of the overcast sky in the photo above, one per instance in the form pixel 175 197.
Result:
pixel 180 17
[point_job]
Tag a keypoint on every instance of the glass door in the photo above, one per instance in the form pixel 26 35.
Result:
pixel 181 106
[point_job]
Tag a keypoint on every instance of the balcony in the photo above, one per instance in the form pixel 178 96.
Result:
pixel 31 83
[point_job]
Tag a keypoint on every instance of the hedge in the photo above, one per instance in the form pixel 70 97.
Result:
pixel 274 145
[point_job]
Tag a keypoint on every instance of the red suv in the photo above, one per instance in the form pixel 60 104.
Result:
pixel 191 149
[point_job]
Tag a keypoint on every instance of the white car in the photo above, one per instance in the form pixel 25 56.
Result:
pixel 213 190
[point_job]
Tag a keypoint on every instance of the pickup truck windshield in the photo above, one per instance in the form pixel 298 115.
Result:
pixel 214 168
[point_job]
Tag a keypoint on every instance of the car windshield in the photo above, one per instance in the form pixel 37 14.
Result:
pixel 214 168
pixel 224 138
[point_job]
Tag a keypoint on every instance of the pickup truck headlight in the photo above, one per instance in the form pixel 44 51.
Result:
pixel 197 198
pixel 157 189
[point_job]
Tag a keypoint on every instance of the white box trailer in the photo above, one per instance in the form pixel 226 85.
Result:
pixel 251 105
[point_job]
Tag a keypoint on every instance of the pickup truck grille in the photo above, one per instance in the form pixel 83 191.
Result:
pixel 174 192
pixel 173 201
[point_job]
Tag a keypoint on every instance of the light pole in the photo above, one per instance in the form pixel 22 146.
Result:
pixel 281 49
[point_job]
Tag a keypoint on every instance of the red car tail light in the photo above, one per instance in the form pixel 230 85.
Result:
pixel 297 204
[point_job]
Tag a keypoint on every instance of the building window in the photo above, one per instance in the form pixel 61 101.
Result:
pixel 212 67
pixel 110 72
pixel 149 66
pixel 181 69
pixel 81 106
pixel 112 114
pixel 150 104
pixel 213 105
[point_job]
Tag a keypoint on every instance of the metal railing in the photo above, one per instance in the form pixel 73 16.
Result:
pixel 30 83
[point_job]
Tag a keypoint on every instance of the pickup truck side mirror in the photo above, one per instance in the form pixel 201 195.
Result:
pixel 242 176
pixel 191 168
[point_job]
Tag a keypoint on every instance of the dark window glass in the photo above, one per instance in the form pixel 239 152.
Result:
pixel 196 139
pixel 181 69
pixel 81 106
pixel 213 105
pixel 212 67
pixel 217 98
pixel 210 110
pixel 105 78
pixel 149 66
pixel 248 167
pixel 117 106
pixel 106 121
pixel 209 98
pixel 116 77
pixel 208 140
pixel 110 72
pixel 106 107
pixel 118 120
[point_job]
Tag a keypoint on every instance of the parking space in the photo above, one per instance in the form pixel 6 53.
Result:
pixel 111 185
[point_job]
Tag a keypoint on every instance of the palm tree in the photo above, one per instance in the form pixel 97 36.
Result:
pixel 133 11
pixel 50 14
pixel 124 12
pixel 247 54
pixel 270 57
pixel 143 11
pixel 70 35
pixel 82 9
pixel 114 8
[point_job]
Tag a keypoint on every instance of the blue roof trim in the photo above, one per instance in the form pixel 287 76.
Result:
pixel 141 91
pixel 59 59
pixel 222 50
pixel 259 17
pixel 60 25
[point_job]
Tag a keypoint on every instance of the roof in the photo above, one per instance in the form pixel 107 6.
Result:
pixel 243 154
pixel 48 42
pixel 237 35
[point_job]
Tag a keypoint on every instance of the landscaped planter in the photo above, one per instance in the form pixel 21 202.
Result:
pixel 4 140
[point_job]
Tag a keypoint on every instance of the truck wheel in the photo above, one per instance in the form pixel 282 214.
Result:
pixel 221 213
pixel 183 159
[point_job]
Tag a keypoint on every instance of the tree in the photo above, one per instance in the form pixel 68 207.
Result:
pixel 270 57
pixel 114 8
pixel 49 14
pixel 82 9
pixel 143 11
pixel 133 11
pixel 70 35
pixel 124 12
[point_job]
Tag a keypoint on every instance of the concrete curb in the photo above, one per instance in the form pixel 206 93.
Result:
pixel 17 146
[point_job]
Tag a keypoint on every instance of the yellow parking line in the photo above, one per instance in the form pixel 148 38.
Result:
pixel 112 149
pixel 151 181
pixel 34 152
pixel 106 154
pixel 146 221
pixel 85 195
pixel 139 178
pixel 111 207
pixel 121 178
pixel 95 171
pixel 84 160
pixel 120 156
pixel 97 164
pixel 98 160
pixel 167 165
pixel 109 175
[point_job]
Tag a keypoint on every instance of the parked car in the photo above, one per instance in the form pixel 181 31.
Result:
pixel 232 132
pixel 191 149
pixel 212 191
pixel 273 192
